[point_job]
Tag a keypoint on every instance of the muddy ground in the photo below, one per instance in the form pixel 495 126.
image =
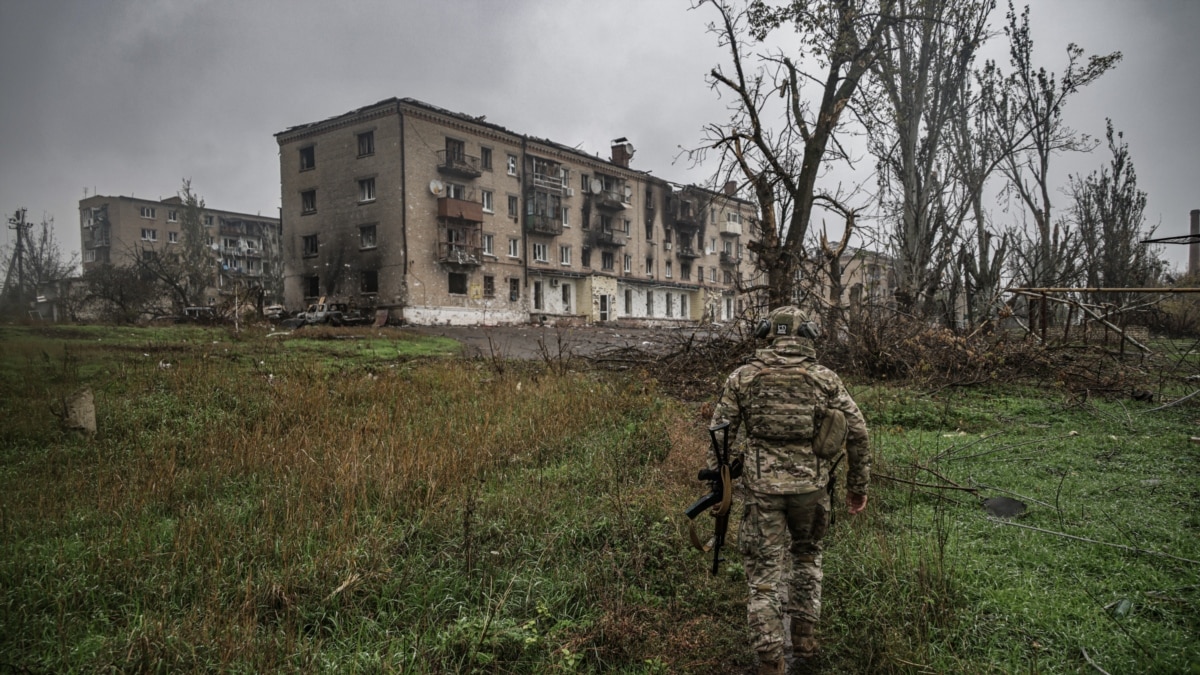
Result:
pixel 540 342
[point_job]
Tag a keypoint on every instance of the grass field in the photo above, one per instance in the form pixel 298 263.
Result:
pixel 358 501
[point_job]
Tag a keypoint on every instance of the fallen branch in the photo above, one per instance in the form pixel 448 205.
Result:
pixel 1094 541
pixel 928 485
pixel 1091 662
pixel 1172 403
pixel 981 486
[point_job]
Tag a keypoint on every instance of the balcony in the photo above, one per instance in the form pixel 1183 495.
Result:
pixel 728 258
pixel 687 253
pixel 611 200
pixel 685 214
pixel 460 209
pixel 548 183
pixel 730 229
pixel 458 253
pixel 458 164
pixel 609 239
pixel 546 225
pixel 253 253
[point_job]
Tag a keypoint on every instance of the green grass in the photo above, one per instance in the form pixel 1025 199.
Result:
pixel 359 500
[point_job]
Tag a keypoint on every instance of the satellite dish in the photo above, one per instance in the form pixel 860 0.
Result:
pixel 437 187
pixel 597 186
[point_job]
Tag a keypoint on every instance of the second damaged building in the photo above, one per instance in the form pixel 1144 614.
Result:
pixel 439 217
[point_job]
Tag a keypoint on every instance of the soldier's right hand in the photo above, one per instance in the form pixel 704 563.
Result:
pixel 855 503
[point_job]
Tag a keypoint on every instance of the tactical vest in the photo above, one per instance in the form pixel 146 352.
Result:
pixel 785 404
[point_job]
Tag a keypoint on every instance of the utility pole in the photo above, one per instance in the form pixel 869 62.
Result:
pixel 17 222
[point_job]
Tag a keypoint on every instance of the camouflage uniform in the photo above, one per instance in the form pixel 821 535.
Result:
pixel 774 400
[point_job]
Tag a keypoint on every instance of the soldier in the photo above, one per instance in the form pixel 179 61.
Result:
pixel 795 414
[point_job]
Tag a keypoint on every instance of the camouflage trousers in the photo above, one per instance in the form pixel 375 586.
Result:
pixel 780 541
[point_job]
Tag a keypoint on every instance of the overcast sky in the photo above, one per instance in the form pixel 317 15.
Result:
pixel 128 97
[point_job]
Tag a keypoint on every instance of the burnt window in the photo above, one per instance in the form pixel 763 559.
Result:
pixel 586 257
pixel 606 260
pixel 308 157
pixel 489 286
pixel 311 245
pixel 369 281
pixel 308 201
pixel 366 143
pixel 458 283
pixel 312 286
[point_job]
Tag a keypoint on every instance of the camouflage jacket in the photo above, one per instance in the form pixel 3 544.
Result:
pixel 788 466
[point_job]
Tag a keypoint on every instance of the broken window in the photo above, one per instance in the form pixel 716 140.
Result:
pixel 308 201
pixel 606 260
pixel 628 301
pixel 489 286
pixel 458 283
pixel 628 264
pixel 485 158
pixel 369 281
pixel 489 246
pixel 586 257
pixel 366 236
pixel 513 206
pixel 366 143
pixel 312 286
pixel 512 164
pixel 564 255
pixel 311 245
pixel 514 290
pixel 541 253
pixel 514 248
pixel 537 295
pixel 308 157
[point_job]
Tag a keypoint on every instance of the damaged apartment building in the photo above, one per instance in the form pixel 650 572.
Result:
pixel 246 248
pixel 439 217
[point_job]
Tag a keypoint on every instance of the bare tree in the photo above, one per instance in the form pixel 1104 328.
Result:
pixel 183 274
pixel 119 293
pixel 1030 115
pixel 839 40
pixel 32 260
pixel 921 75
pixel 1109 210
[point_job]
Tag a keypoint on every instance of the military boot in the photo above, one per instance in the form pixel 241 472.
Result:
pixel 804 645
pixel 774 667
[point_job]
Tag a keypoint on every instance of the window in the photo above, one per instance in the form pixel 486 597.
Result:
pixel 368 281
pixel 458 283
pixel 308 201
pixel 366 190
pixel 366 143
pixel 537 295
pixel 566 215
pixel 605 222
pixel 312 286
pixel 308 157
pixel 485 158
pixel 172 237
pixel 667 269
pixel 147 211
pixel 626 226
pixel 251 265
pixel 149 234
pixel 628 264
pixel 649 230
pixel 666 235
pixel 208 220
pixel 649 266
pixel 230 243
pixel 489 286
pixel 712 274
pixel 606 260
pixel 489 244
pixel 584 183
pixel 89 255
pixel 540 253
pixel 700 274
pixel 487 199
pixel 172 216
pixel 728 277
pixel 514 248
pixel 586 257
pixel 513 206
pixel 712 246
pixel 683 306
pixel 512 164
pixel 456 151
pixel 564 176
pixel 670 305
pixel 456 191
pixel 728 248
pixel 514 290
pixel 366 236
pixel 566 298
pixel 564 255
pixel 311 245
pixel 685 272
pixel 649 303
pixel 628 301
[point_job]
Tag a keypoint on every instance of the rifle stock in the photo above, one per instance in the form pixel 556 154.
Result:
pixel 719 498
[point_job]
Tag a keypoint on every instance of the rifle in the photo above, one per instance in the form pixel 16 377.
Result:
pixel 831 488
pixel 719 497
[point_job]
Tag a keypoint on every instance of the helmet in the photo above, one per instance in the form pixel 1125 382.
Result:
pixel 788 321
